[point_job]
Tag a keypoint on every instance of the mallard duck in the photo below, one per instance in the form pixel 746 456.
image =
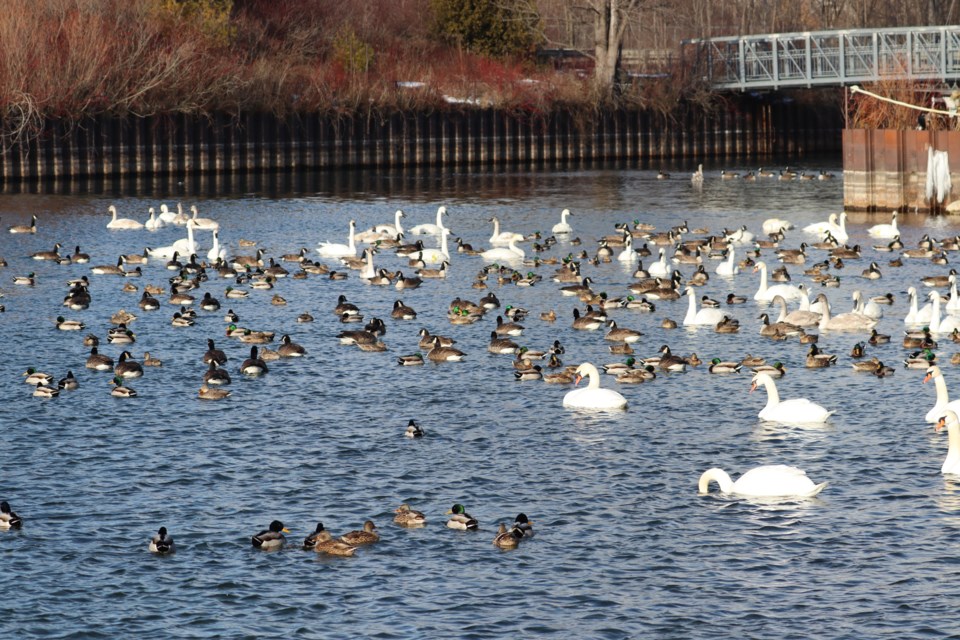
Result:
pixel 368 535
pixel 523 526
pixel 858 350
pixel 68 382
pixel 548 316
pixel 127 368
pixel 407 517
pixel 920 359
pixel 532 373
pixel 878 338
pixel 120 391
pixel 254 365
pixel 719 366
pixel 563 377
pixel 506 539
pixel 636 376
pixel 413 430
pixel 866 365
pixel 775 370
pixel 8 519
pixel 727 325
pixel 212 393
pixel 460 519
pixel 816 359
pixel 410 360
pixel 256 337
pixel 734 299
pixel 180 321
pixel 162 542
pixel 271 538
pixel 304 317
pixel 882 371
pixel 326 543
pixel 310 542
pixel 28 280
pixel 36 378
pixel 44 391
pixel 98 361
pixel 616 368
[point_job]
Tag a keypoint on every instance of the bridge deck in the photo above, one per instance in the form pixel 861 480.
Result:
pixel 829 58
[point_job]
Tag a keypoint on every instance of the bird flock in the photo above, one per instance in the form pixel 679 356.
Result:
pixel 508 259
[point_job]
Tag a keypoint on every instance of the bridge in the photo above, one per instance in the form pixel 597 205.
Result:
pixel 828 58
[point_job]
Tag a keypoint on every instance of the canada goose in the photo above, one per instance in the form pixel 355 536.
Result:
pixel 621 334
pixel 215 375
pixel 289 349
pixel 585 323
pixel 402 312
pixel 23 228
pixel 440 353
pixel 53 255
pixel 254 365
pixel 126 368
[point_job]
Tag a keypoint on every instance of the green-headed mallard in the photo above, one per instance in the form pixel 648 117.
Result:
pixel 523 526
pixel 460 519
pixel 34 377
pixel 69 325
pixel 407 517
pixel 867 365
pixel 8 519
pixel 719 366
pixel 368 535
pixel 410 360
pixel 162 542
pixel 271 538
pixel 120 391
pixel 775 370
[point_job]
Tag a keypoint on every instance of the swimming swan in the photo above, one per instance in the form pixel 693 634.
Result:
pixel 768 481
pixel 184 246
pixel 659 269
pixel 850 321
pixel 768 293
pixel 339 250
pixel 818 228
pixel 436 256
pixel 728 267
pixel 502 238
pixel 121 223
pixel 952 423
pixel 706 316
pixel 917 316
pixel 593 396
pixel 431 229
pixel 563 226
pixel 382 231
pixel 887 231
pixel 510 253
pixel 153 222
pixel 943 398
pixel 793 411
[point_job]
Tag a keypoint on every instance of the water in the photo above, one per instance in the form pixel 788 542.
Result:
pixel 625 546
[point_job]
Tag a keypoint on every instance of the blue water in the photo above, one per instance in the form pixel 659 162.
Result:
pixel 625 547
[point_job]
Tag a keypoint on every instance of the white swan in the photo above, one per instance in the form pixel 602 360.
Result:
pixel 382 231
pixel 431 229
pixel 729 266
pixel 502 238
pixel 338 250
pixel 839 231
pixel 629 254
pixel 953 304
pixel 184 246
pixel 181 218
pixel 851 321
pixel 739 237
pixel 943 397
pixel 935 324
pixel 793 411
pixel 952 423
pixel 775 225
pixel 206 224
pixel 707 316
pixel 768 293
pixel 153 222
pixel 887 231
pixel 166 216
pixel 368 270
pixel 563 226
pixel 768 481
pixel 799 318
pixel 868 308
pixel 216 251
pixel 818 228
pixel 917 316
pixel 121 223
pixel 510 253
pixel 592 397
pixel 659 269
pixel 436 256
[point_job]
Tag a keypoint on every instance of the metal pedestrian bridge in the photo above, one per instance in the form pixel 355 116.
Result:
pixel 828 58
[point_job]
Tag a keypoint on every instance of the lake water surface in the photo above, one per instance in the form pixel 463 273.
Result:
pixel 625 547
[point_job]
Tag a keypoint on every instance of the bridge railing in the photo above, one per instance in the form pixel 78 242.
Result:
pixel 824 58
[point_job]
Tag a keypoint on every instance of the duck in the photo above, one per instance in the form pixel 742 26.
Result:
pixel 254 365
pixel 212 393
pixel 507 538
pixel 593 396
pixel 162 542
pixel 407 517
pixel 819 360
pixel 793 411
pixel 9 519
pixel 69 325
pixel 324 542
pixel 45 391
pixel 719 366
pixel 767 481
pixel 460 519
pixel 35 378
pixel 270 538
pixel 68 382
pixel 775 370
pixel 563 226
pixel 120 391
pixel 339 250
pixel 122 223
pixel 28 280
pixel 368 535
pixel 310 542
pixel 413 429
